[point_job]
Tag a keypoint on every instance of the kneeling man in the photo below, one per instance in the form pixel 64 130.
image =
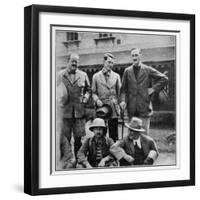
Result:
pixel 95 150
pixel 137 148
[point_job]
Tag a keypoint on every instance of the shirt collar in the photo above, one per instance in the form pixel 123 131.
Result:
pixel 106 72
pixel 69 71
pixel 138 141
pixel 138 66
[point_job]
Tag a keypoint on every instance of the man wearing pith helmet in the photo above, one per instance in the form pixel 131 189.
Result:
pixel 106 86
pixel 94 152
pixel 136 148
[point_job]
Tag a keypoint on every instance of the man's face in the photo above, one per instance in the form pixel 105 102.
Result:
pixel 98 131
pixel 108 64
pixel 136 56
pixel 133 135
pixel 73 63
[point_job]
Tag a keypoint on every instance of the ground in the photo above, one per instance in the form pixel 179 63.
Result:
pixel 167 150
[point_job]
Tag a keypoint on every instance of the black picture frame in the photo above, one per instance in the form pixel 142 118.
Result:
pixel 31 98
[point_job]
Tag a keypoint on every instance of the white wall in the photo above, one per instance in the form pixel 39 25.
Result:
pixel 11 100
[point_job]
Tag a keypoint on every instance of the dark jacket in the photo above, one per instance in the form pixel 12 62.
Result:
pixel 125 146
pixel 87 152
pixel 135 91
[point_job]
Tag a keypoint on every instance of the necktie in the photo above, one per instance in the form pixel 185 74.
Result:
pixel 136 71
pixel 136 145
pixel 106 74
pixel 106 77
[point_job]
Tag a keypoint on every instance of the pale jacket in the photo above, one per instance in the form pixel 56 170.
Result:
pixel 107 91
pixel 72 105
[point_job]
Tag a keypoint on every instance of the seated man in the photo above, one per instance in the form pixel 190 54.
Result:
pixel 137 148
pixel 94 152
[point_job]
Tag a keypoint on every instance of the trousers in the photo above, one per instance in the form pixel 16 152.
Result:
pixel 69 126
pixel 113 128
pixel 146 123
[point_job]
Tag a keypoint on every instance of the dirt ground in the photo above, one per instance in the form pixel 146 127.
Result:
pixel 167 151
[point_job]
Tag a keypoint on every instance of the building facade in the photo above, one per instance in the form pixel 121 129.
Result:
pixel 158 51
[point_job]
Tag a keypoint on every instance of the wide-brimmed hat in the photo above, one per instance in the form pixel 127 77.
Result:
pixel 98 122
pixel 135 125
pixel 104 112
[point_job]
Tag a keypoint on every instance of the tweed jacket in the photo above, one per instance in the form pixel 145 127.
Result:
pixel 135 91
pixel 72 106
pixel 87 152
pixel 126 146
pixel 107 91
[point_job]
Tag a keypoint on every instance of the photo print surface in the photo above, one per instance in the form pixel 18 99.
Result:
pixel 113 98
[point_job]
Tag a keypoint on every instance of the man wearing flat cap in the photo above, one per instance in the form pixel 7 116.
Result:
pixel 137 91
pixel 106 89
pixel 95 151
pixel 137 148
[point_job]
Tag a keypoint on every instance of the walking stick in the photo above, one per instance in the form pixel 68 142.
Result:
pixel 122 117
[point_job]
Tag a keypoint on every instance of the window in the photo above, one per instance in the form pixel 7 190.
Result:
pixel 105 35
pixel 118 41
pixel 72 40
pixel 72 36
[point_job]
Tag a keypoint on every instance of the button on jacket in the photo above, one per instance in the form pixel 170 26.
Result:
pixel 76 89
pixel 135 91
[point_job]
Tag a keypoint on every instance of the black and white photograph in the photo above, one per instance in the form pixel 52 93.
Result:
pixel 99 100
pixel 115 98
pixel 109 100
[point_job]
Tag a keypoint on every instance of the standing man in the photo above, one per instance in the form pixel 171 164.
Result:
pixel 106 89
pixel 136 148
pixel 76 86
pixel 136 92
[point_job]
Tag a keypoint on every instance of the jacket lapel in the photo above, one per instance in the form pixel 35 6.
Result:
pixel 131 146
pixel 111 80
pixel 67 77
pixel 102 79
pixel 132 74
pixel 141 74
pixel 77 76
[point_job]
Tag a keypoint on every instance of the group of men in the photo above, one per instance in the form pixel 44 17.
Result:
pixel 133 94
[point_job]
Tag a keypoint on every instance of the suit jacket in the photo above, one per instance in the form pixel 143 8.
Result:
pixel 108 92
pixel 87 152
pixel 72 106
pixel 126 146
pixel 135 91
